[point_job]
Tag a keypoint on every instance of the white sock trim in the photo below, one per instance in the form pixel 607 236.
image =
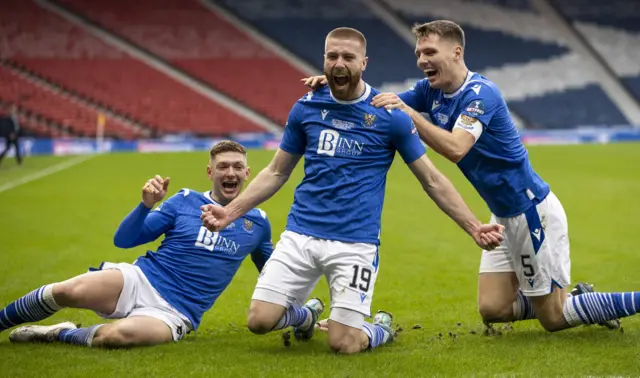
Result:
pixel 92 334
pixel 569 311
pixel 47 297
pixel 516 313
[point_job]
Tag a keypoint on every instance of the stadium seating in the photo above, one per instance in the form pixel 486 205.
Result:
pixel 205 45
pixel 613 29
pixel 516 39
pixel 301 26
pixel 633 83
pixel 523 5
pixel 68 55
pixel 543 81
pixel 547 84
pixel 487 46
pixel 34 126
pixel 588 106
pixel 619 14
pixel 55 106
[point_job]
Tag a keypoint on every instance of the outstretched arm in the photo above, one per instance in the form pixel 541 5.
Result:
pixel 444 194
pixel 265 185
pixel 260 189
pixel 268 181
pixel 437 186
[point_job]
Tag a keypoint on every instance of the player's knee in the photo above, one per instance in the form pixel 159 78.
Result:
pixel 259 321
pixel 553 325
pixel 346 343
pixel 495 311
pixel 258 325
pixel 68 293
pixel 552 321
pixel 549 311
pixel 115 337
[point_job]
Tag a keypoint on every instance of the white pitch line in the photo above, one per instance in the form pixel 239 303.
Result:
pixel 45 172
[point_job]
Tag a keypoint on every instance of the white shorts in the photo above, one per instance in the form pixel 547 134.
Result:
pixel 139 298
pixel 298 262
pixel 536 248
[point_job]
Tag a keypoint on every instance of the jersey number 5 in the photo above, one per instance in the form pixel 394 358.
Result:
pixel 364 277
pixel 526 267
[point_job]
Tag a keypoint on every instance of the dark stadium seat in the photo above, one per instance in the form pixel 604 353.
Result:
pixel 301 27
pixel 613 28
pixel 619 14
pixel 588 106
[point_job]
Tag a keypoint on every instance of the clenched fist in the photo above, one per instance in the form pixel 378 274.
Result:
pixel 214 218
pixel 154 190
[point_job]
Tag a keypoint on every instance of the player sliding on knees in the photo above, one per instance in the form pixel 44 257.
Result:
pixel 528 275
pixel 162 295
pixel 334 223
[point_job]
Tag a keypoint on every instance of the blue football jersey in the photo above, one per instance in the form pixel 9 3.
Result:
pixel 192 265
pixel 498 164
pixel 348 147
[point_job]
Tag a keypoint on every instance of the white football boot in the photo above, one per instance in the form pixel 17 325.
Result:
pixel 38 333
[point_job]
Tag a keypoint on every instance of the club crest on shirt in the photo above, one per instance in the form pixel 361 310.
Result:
pixel 248 225
pixel 369 120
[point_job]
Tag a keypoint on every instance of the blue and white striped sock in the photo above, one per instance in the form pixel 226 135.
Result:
pixel 35 306
pixel 80 336
pixel 294 317
pixel 595 308
pixel 377 334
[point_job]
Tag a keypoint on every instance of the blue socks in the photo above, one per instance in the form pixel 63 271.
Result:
pixel 377 334
pixel 294 317
pixel 80 336
pixel 595 308
pixel 35 306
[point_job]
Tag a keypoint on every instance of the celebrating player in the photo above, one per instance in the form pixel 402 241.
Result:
pixel 162 295
pixel 334 223
pixel 526 277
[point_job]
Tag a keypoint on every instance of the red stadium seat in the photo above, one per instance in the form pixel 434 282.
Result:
pixel 57 107
pixel 205 45
pixel 52 47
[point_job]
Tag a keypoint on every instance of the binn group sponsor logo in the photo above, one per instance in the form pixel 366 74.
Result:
pixel 213 241
pixel 331 143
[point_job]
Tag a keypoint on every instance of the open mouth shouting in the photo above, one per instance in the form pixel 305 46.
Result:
pixel 341 80
pixel 431 74
pixel 229 186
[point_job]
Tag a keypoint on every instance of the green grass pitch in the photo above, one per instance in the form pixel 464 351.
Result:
pixel 58 226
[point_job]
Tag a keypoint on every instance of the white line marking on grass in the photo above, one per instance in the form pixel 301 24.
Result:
pixel 45 172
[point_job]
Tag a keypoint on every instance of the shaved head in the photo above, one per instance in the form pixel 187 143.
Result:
pixel 348 33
